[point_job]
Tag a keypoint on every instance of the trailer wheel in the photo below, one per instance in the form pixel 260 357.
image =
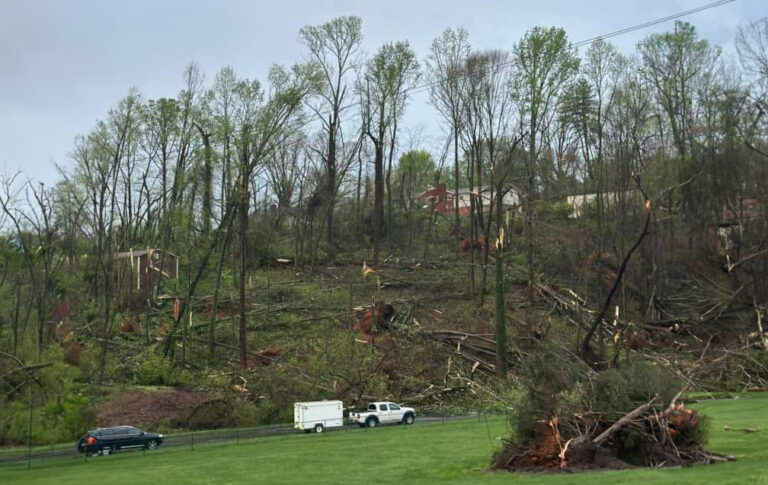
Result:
pixel 318 428
pixel 371 422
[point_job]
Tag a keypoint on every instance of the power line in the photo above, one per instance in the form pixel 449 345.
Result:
pixel 581 43
pixel 653 22
pixel 615 33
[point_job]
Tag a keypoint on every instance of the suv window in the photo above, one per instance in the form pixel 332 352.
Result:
pixel 382 407
pixel 394 407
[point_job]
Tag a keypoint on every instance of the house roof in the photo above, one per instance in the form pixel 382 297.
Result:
pixel 137 253
pixel 464 190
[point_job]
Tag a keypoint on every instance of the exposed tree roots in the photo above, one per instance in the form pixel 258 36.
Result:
pixel 644 436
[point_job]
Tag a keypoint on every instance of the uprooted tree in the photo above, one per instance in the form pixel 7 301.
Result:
pixel 573 418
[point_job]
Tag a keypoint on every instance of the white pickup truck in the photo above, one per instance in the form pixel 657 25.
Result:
pixel 382 413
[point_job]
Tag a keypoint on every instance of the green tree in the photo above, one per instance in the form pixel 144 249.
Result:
pixel 389 74
pixel 676 63
pixel 415 172
pixel 544 63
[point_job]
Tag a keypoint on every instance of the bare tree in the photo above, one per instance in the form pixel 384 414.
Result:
pixel 98 158
pixel 445 66
pixel 752 46
pixel 37 237
pixel 333 46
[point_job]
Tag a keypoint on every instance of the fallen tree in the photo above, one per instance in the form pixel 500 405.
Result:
pixel 669 437
pixel 571 417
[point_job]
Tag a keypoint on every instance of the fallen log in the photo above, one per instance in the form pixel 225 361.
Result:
pixel 622 422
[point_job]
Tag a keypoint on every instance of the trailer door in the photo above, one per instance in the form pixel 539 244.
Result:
pixel 298 416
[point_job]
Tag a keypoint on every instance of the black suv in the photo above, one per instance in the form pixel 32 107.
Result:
pixel 109 440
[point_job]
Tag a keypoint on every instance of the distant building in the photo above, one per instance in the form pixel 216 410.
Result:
pixel 579 202
pixel 135 272
pixel 444 199
pixel 748 211
pixel 729 226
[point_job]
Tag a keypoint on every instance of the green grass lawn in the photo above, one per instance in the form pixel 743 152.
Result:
pixel 452 452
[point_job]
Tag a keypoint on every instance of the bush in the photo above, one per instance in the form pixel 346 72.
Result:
pixel 68 418
pixel 223 413
pixel 152 369
pixel 89 363
pixel 57 420
pixel 552 211
pixel 553 384
pixel 632 383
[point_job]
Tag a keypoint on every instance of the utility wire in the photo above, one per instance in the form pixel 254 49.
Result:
pixel 653 22
pixel 615 33
pixel 423 87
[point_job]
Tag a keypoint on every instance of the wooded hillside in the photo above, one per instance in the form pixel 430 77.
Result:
pixel 257 242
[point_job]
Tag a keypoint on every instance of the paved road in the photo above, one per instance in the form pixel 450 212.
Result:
pixel 196 438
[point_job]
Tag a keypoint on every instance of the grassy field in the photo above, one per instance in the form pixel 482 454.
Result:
pixel 454 452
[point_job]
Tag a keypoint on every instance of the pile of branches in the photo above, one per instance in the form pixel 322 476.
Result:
pixel 645 436
pixel 476 349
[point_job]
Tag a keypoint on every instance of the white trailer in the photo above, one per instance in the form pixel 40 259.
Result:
pixel 318 415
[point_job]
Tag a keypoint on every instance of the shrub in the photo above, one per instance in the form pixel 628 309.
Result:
pixel 552 211
pixel 553 384
pixel 632 383
pixel 60 419
pixel 226 412
pixel 89 363
pixel 68 418
pixel 152 369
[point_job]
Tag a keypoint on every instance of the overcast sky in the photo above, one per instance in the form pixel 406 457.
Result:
pixel 64 63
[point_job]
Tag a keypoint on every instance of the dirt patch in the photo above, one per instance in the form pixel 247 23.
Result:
pixel 172 407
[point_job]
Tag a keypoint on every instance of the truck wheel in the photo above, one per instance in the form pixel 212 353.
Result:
pixel 409 419
pixel 371 422
pixel 318 428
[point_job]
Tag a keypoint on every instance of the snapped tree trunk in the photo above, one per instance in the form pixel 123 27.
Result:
pixel 330 189
pixel 501 323
pixel 457 221
pixel 586 351
pixel 207 183
pixel 242 336
pixel 378 203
